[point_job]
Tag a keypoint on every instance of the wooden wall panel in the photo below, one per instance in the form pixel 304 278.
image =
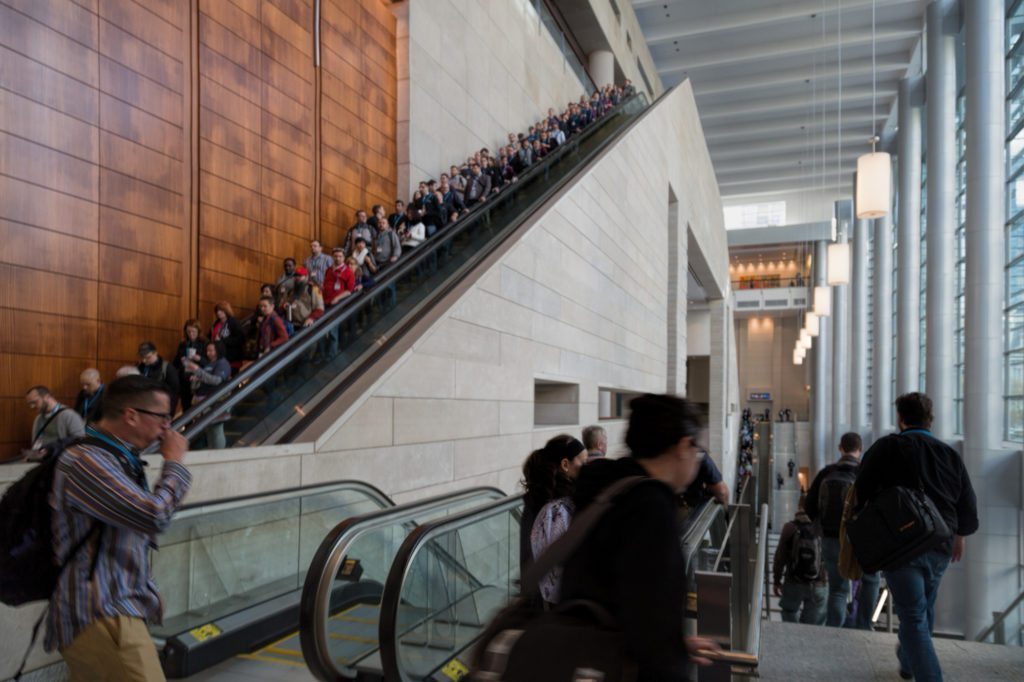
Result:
pixel 257 98
pixel 97 160
pixel 92 193
pixel 359 103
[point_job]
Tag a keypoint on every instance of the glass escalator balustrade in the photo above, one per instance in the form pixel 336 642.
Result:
pixel 448 581
pixel 218 559
pixel 231 573
pixel 344 586
pixel 272 400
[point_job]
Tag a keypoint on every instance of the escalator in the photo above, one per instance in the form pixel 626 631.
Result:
pixel 231 572
pixel 447 581
pixel 285 396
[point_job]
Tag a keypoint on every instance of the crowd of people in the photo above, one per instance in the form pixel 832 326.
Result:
pixel 301 294
pixel 820 568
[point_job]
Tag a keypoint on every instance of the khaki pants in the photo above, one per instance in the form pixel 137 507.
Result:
pixel 117 649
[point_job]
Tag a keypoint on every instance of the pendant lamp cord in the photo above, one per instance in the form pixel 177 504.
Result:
pixel 874 137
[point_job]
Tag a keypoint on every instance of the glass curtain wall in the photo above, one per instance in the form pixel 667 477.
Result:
pixel 1013 332
pixel 961 258
pixel 922 329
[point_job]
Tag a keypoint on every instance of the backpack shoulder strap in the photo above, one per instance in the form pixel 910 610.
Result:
pixel 579 529
pixel 46 423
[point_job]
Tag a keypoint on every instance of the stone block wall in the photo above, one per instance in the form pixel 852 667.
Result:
pixel 472 73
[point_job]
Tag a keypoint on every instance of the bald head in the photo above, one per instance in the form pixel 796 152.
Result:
pixel 91 381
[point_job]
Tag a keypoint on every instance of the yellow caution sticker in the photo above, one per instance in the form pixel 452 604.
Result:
pixel 455 670
pixel 205 632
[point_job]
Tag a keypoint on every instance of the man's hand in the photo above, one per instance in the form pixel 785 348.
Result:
pixel 308 322
pixel 958 547
pixel 173 446
pixel 697 645
pixel 777 590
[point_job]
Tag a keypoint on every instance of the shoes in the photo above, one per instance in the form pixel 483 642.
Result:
pixel 904 675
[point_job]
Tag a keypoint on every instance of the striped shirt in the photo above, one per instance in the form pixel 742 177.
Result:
pixel 90 487
pixel 317 266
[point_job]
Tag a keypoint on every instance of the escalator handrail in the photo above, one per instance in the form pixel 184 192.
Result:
pixel 691 537
pixel 348 375
pixel 314 606
pixel 295 491
pixel 416 541
pixel 197 418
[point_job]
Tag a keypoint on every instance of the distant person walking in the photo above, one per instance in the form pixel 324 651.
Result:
pixel 799 574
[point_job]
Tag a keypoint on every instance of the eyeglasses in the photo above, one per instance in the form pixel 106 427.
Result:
pixel 163 416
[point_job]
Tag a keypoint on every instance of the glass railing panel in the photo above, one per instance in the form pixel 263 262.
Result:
pixel 316 360
pixel 217 559
pixel 346 579
pixel 455 581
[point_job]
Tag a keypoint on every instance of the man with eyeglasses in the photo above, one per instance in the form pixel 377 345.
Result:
pixel 106 518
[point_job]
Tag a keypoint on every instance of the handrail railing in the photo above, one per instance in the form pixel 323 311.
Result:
pixel 746 590
pixel 400 568
pixel 315 607
pixel 193 422
pixel 999 619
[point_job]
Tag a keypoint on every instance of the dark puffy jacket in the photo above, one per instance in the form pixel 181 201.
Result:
pixel 632 563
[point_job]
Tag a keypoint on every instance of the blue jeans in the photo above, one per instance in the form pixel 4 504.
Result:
pixel 838 586
pixel 914 588
pixel 808 595
pixel 867 600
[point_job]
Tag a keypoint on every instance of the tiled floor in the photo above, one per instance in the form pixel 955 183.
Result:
pixel 790 651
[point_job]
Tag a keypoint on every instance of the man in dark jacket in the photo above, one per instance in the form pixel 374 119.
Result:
pixel 632 563
pixel 478 186
pixel 913 458
pixel 155 367
pixel 88 401
pixel 825 505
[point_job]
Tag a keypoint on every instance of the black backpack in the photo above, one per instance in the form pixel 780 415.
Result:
pixel 805 557
pixel 832 496
pixel 27 562
pixel 577 639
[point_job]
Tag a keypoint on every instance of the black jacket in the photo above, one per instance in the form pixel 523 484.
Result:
pixel 632 563
pixel 164 372
pixel 811 501
pixel 88 406
pixel 915 456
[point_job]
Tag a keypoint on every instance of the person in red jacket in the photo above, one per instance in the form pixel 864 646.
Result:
pixel 339 283
pixel 272 329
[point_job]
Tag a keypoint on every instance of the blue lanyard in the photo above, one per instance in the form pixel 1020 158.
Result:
pixel 924 431
pixel 132 458
pixel 88 401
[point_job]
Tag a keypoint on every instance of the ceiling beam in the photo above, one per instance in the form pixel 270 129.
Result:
pixel 761 15
pixel 861 67
pixel 774 145
pixel 791 127
pixel 804 176
pixel 731 168
pixel 764 106
pixel 774 186
pixel 762 52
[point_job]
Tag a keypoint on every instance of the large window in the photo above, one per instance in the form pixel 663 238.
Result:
pixel 961 260
pixel 1013 333
pixel 922 329
pixel 755 215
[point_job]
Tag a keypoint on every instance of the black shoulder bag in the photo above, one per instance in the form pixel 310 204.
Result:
pixel 894 527
pixel 578 639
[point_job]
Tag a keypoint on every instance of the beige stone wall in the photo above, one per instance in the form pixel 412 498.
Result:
pixel 472 73
pixel 581 299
